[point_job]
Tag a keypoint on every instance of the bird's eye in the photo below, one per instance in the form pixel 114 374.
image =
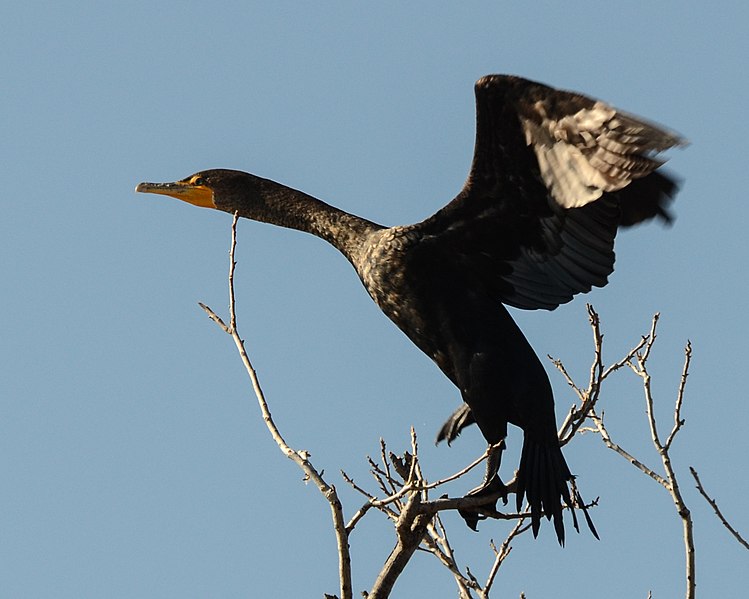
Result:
pixel 198 181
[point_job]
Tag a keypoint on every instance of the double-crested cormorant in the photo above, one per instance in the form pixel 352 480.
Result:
pixel 554 175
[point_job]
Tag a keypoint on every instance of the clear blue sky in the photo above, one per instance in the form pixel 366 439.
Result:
pixel 132 457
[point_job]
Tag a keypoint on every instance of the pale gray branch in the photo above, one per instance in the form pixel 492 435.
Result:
pixel 298 457
pixel 606 438
pixel 636 359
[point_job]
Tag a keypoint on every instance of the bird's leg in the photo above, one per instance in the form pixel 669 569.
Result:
pixel 492 483
pixel 491 486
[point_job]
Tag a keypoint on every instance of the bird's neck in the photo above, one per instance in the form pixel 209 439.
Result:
pixel 286 207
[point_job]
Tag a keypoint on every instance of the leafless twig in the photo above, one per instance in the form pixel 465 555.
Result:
pixel 405 491
pixel 636 359
pixel 716 509
pixel 589 397
pixel 417 519
pixel 301 458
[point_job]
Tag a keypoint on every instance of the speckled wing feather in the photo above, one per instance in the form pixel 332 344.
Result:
pixel 554 175
pixel 594 150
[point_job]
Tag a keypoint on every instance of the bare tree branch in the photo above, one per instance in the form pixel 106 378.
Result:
pixel 589 397
pixel 606 437
pixel 465 470
pixel 411 528
pixel 663 450
pixel 301 458
pixel 636 359
pixel 716 509
pixel 678 421
pixel 437 543
pixel 405 491
pixel 501 554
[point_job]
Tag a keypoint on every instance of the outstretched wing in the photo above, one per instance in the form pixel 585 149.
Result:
pixel 554 175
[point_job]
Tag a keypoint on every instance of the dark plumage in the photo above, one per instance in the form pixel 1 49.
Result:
pixel 554 175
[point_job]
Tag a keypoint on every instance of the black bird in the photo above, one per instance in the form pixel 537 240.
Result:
pixel 554 175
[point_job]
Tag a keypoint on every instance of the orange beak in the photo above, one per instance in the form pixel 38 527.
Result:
pixel 198 195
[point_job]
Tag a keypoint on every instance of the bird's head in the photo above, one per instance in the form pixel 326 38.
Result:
pixel 221 189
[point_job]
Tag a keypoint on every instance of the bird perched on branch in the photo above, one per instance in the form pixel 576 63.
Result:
pixel 554 175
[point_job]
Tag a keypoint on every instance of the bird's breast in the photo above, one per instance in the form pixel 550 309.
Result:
pixel 392 270
pixel 383 268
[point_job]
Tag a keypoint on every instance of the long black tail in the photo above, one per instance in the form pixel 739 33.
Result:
pixel 543 478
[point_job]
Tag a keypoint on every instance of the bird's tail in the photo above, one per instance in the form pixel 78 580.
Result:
pixel 543 478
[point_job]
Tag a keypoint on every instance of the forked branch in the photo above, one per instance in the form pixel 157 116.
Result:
pixel 405 491
pixel 406 499
pixel 637 360
pixel 301 458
